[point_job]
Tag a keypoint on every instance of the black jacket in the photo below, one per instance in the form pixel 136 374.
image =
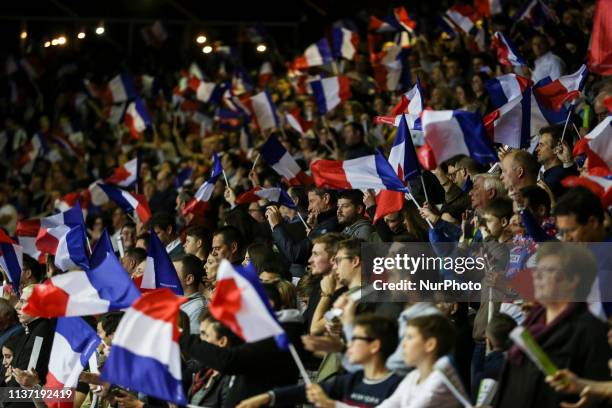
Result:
pixel 255 367
pixel 298 252
pixel 579 343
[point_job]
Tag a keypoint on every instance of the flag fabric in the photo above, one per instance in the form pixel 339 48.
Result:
pixel 315 55
pixel 396 21
pixel 464 17
pixel 403 157
pixel 388 67
pixel 450 133
pixel 36 148
pixel 506 52
pixel 26 232
pixel 275 195
pixel 125 175
pixel 295 122
pixel 102 289
pixel 70 200
pixel 73 344
pixel 277 157
pixel 330 92
pixel 265 74
pixel 122 88
pixel 413 121
pixel 564 89
pixel 207 92
pixel 599 54
pixel 263 110
pixel 131 203
pixel 510 124
pixel 372 171
pixel 103 247
pixel 159 270
pixel 345 42
pixel 601 186
pixel 205 191
pixel 240 303
pixel 145 354
pixel 506 88
pixel 11 260
pixel 136 118
pixel 488 7
pixel 403 19
pixel 63 235
pixel 412 102
pixel 597 145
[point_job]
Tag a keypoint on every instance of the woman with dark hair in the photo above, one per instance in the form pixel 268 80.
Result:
pixel 480 92
pixel 464 95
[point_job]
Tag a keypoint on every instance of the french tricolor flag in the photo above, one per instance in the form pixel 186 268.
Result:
pixel 345 42
pixel 412 102
pixel 387 25
pixel 11 260
pixel 598 147
pixel 145 355
pixel 129 202
pixel 277 157
pixel 403 159
pixel 26 233
pixel 330 92
pixel 240 303
pixel 388 68
pixel 63 235
pixel 125 175
pixel 205 191
pixel 506 52
pixel 102 289
pixel 403 19
pixel 274 195
pixel 136 118
pixel 372 171
pixel 265 74
pixel 207 92
pixel 263 110
pixel 159 270
pixel 506 88
pixel 122 88
pixel 294 119
pixel 413 121
pixel 316 54
pixel 488 7
pixel 450 133
pixel 464 17
pixel 562 90
pixel 511 124
pixel 73 344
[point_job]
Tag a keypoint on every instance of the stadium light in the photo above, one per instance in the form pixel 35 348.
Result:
pixel 201 39
pixel 47 44
pixel 23 35
pixel 61 40
pixel 261 48
pixel 81 35
pixel 100 29
pixel 207 50
pixel 54 42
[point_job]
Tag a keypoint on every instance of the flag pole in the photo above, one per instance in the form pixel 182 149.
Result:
pixel 302 219
pixel 569 114
pixel 225 178
pixel 411 197
pixel 255 162
pixel 424 189
pixel 299 364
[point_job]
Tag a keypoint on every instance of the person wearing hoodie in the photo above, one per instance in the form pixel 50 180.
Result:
pixel 254 367
pixel 350 216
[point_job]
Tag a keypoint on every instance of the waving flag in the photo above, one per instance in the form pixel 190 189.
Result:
pixel 404 161
pixel 145 354
pixel 511 124
pixel 122 88
pixel 125 175
pixel 63 235
pixel 129 202
pixel 398 20
pixel 11 260
pixel 316 54
pixel 208 92
pixel 263 110
pixel 159 270
pixel 26 233
pixel 345 43
pixel 388 68
pixel 488 7
pixel 365 172
pixel 412 102
pixel 73 344
pixel 413 121
pixel 240 303
pixel 102 289
pixel 136 118
pixel 506 51
pixel 274 194
pixel 70 200
pixel 265 74
pixel 506 88
pixel 101 250
pixel 277 157
pixel 450 133
pixel 205 191
pixel 597 145
pixel 330 92
pixel 561 90
pixel 463 16
pixel 599 54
